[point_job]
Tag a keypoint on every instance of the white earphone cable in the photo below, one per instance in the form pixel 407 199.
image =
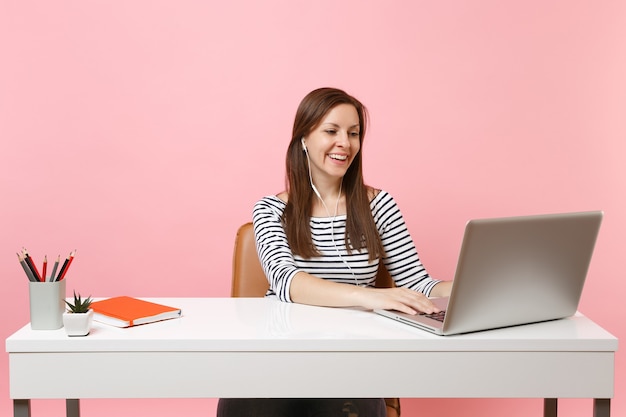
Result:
pixel 333 217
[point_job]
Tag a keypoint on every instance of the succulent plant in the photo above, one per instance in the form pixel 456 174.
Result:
pixel 80 305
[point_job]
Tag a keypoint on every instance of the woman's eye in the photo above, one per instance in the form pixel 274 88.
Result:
pixel 331 131
pixel 354 134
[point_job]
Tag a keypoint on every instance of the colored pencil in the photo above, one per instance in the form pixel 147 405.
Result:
pixel 66 265
pixel 31 265
pixel 45 267
pixel 27 270
pixel 54 268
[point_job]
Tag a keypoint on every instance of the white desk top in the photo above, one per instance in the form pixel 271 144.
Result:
pixel 260 324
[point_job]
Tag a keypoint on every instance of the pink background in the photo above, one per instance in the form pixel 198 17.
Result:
pixel 141 133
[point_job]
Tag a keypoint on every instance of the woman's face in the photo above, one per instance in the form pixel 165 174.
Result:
pixel 334 143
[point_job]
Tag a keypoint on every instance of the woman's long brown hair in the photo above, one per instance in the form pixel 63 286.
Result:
pixel 361 231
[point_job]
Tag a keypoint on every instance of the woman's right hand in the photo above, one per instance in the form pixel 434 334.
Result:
pixel 400 299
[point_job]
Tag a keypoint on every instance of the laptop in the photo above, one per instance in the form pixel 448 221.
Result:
pixel 513 271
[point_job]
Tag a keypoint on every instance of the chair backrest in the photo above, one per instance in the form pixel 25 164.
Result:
pixel 248 277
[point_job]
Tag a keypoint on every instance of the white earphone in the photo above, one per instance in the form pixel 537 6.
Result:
pixel 306 151
pixel 332 224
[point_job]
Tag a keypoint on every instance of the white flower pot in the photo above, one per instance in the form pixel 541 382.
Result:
pixel 77 324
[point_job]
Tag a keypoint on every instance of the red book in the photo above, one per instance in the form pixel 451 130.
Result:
pixel 127 311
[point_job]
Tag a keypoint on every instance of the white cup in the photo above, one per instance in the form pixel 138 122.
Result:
pixel 47 304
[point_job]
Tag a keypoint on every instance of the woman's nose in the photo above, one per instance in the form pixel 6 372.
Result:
pixel 342 139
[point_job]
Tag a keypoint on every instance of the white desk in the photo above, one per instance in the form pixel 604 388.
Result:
pixel 232 347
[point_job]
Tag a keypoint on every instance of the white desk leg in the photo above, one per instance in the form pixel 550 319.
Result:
pixel 550 407
pixel 72 408
pixel 601 407
pixel 21 408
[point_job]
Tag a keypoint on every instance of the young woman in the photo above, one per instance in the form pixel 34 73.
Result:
pixel 322 240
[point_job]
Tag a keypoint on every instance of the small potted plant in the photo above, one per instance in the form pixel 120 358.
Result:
pixel 78 316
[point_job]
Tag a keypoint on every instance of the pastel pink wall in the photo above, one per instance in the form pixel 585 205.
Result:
pixel 140 133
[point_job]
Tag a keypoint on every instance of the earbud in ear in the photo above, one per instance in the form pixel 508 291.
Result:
pixel 317 193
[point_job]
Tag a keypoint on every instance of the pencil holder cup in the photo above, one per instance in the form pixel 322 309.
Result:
pixel 47 304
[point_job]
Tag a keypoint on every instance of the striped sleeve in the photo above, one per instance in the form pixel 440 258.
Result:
pixel 335 262
pixel 401 258
pixel 272 246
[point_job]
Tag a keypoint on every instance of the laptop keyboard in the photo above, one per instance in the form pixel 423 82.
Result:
pixel 436 316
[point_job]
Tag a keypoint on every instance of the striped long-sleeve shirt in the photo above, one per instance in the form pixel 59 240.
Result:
pixel 335 263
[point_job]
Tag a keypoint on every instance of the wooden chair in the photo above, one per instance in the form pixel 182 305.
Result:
pixel 249 281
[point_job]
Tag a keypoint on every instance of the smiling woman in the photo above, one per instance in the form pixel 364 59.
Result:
pixel 313 256
pixel 333 122
pixel 332 146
